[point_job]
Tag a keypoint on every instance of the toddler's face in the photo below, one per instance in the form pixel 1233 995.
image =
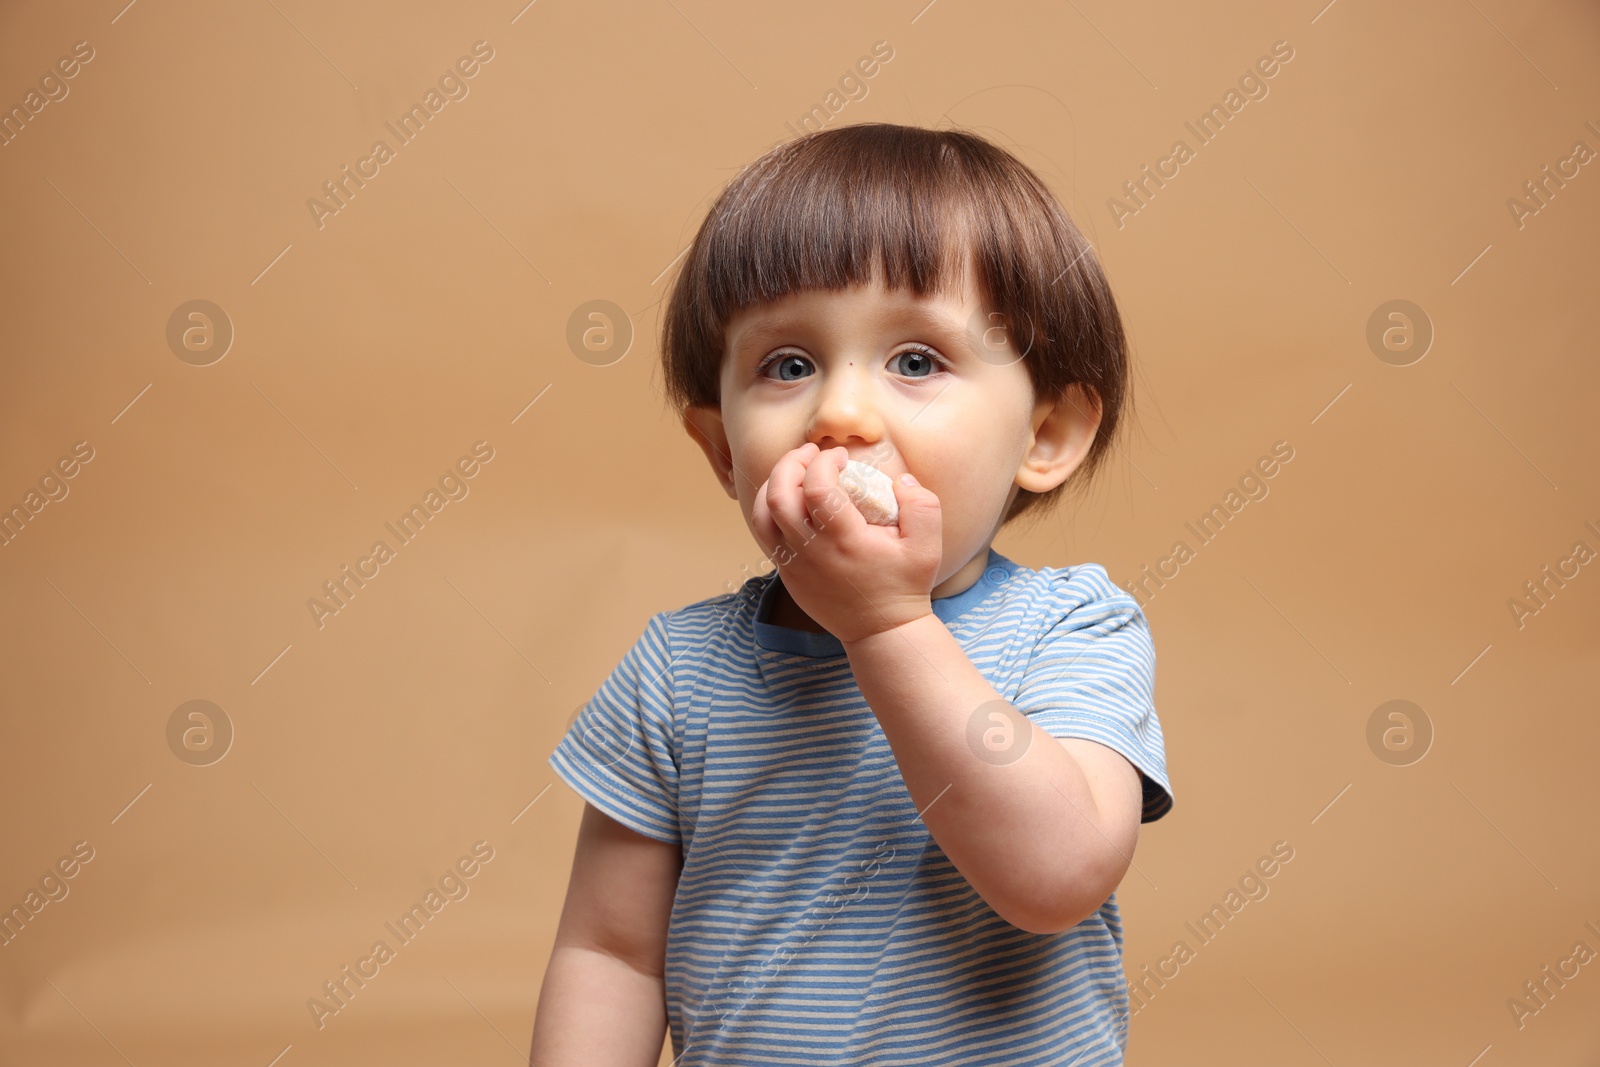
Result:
pixel 899 382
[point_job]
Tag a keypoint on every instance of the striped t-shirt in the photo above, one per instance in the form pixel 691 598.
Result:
pixel 816 920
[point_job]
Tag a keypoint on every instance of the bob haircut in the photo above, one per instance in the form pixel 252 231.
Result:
pixel 829 208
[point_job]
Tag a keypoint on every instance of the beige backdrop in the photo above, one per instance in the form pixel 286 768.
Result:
pixel 376 340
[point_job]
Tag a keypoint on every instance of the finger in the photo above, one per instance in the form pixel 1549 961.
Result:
pixel 766 531
pixel 784 498
pixel 828 505
pixel 921 514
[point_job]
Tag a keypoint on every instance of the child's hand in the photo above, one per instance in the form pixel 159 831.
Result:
pixel 854 579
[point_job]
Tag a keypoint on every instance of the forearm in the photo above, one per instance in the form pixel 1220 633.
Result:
pixel 1025 834
pixel 597 1011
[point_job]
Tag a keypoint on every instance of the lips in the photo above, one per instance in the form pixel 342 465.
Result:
pixel 866 460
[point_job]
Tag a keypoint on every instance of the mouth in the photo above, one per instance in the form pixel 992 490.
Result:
pixel 866 460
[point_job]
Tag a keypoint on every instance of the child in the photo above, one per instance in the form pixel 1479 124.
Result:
pixel 872 807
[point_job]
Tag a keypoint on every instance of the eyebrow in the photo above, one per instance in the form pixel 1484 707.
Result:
pixel 770 328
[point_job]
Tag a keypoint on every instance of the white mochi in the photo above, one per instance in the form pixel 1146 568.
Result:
pixel 871 491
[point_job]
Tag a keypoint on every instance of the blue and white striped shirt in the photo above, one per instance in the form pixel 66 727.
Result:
pixel 816 920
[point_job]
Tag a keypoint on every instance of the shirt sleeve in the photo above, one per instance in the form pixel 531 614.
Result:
pixel 620 752
pixel 1092 675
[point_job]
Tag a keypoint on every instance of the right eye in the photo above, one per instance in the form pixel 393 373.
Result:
pixel 790 366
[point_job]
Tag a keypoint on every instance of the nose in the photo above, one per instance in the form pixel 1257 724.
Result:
pixel 846 409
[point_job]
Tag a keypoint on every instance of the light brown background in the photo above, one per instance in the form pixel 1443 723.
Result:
pixel 430 311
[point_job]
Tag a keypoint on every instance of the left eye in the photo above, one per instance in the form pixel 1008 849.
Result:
pixel 926 362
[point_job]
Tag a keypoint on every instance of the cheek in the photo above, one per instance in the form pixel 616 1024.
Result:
pixel 974 471
pixel 754 467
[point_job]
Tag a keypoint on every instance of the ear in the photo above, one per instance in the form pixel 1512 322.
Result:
pixel 1063 430
pixel 704 425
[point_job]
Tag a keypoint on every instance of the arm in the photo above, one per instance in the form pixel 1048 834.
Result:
pixel 1045 839
pixel 603 999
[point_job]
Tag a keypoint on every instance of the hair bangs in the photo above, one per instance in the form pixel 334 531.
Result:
pixel 837 222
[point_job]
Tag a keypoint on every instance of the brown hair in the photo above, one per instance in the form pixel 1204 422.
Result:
pixel 826 209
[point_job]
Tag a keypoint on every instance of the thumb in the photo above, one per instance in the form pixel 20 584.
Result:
pixel 920 512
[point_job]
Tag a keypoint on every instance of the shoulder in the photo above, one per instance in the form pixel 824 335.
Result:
pixel 1082 598
pixel 700 624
